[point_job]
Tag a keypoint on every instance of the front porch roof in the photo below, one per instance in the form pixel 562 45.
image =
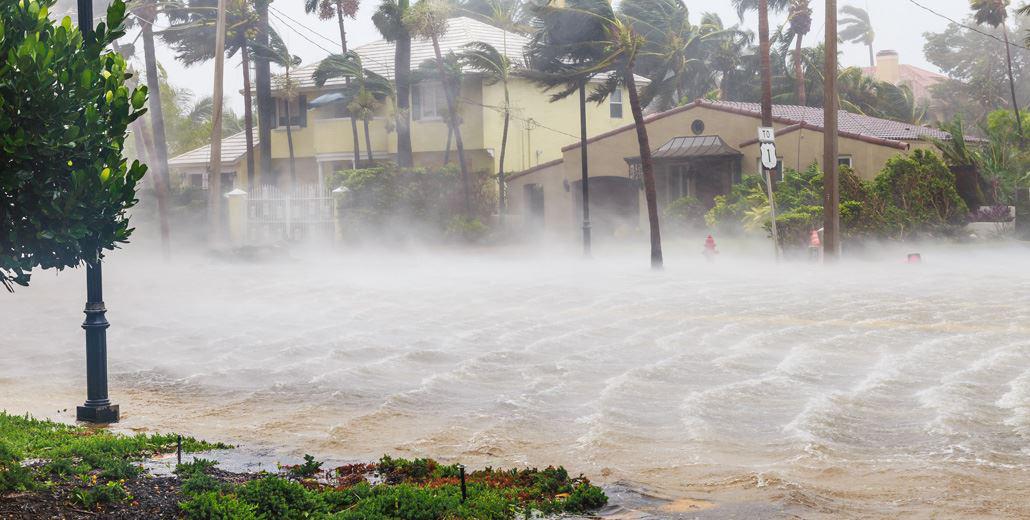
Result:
pixel 690 147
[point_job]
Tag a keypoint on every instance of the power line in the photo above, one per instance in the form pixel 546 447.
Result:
pixel 964 26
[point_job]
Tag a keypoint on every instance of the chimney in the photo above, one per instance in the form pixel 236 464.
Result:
pixel 887 67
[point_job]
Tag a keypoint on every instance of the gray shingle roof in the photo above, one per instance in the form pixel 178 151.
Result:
pixel 691 146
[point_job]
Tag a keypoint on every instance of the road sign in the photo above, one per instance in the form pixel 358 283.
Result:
pixel 766 134
pixel 769 156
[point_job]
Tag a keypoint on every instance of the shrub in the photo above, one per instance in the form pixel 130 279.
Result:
pixel 216 506
pixel 465 229
pixel 685 213
pixel 99 494
pixel 922 190
pixel 306 470
pixel 274 497
pixel 996 213
pixel 585 498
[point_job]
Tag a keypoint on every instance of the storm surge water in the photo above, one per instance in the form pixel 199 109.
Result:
pixel 873 388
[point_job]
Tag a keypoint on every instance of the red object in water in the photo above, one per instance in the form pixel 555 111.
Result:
pixel 710 245
pixel 815 242
pixel 914 258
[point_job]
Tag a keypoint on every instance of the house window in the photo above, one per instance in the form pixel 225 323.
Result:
pixel 198 180
pixel 428 101
pixel 297 115
pixel 844 160
pixel 615 104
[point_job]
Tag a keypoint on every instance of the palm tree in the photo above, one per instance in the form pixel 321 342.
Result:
pixel 510 15
pixel 389 20
pixel 428 19
pixel 800 23
pixel 263 91
pixel 339 9
pixel 1025 11
pixel 994 13
pixel 496 68
pixel 763 7
pixel 191 36
pixel 586 38
pixel 277 52
pixel 146 12
pixel 856 27
pixel 677 56
pixel 365 95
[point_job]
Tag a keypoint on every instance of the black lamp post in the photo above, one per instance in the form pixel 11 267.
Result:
pixel 98 407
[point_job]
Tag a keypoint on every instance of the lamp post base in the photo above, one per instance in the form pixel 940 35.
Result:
pixel 97 414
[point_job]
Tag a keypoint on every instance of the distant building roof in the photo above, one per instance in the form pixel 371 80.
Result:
pixel 888 68
pixel 233 148
pixel 871 129
pixel 377 56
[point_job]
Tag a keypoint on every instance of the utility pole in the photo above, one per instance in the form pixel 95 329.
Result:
pixel 214 184
pixel 766 66
pixel 98 407
pixel 831 184
pixel 585 181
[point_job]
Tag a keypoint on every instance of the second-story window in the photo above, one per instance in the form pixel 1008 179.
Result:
pixel 428 101
pixel 298 115
pixel 615 103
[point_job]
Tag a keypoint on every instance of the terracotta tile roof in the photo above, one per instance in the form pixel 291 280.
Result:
pixel 233 148
pixel 919 80
pixel 871 129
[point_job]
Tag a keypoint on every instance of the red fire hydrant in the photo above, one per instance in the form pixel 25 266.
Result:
pixel 710 251
pixel 815 247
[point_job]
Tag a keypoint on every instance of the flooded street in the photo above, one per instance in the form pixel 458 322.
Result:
pixel 870 389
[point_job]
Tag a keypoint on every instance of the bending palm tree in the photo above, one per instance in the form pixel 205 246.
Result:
pixel 146 11
pixel 277 52
pixel 497 68
pixel 339 9
pixel 585 39
pixel 856 27
pixel 428 19
pixel 389 20
pixel 994 13
pixel 800 23
pixel 365 95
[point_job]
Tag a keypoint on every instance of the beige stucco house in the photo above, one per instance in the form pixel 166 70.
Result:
pixel 700 150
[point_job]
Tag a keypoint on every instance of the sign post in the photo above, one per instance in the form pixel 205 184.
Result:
pixel 767 138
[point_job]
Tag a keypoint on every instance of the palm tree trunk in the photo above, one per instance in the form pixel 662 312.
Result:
pixel 872 57
pixel 159 190
pixel 1012 83
pixel 248 114
pixel 447 149
pixel 402 80
pixel 646 166
pixel 157 119
pixel 368 143
pixel 799 72
pixel 456 128
pixel 353 120
pixel 502 204
pixel 265 101
pixel 289 143
pixel 214 204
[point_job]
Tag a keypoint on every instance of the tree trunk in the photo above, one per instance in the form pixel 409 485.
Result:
pixel 766 64
pixel 157 119
pixel 1012 84
pixel 799 72
pixel 214 206
pixel 265 101
pixel 502 204
pixel 646 167
pixel 584 168
pixel 289 144
pixel 402 81
pixel 368 143
pixel 872 57
pixel 447 149
pixel 831 188
pixel 248 115
pixel 353 120
pixel 456 128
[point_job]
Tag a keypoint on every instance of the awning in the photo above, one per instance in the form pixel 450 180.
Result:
pixel 691 147
pixel 327 99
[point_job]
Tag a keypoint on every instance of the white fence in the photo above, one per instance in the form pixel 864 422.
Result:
pixel 293 214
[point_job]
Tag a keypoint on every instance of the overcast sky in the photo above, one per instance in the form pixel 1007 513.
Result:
pixel 899 25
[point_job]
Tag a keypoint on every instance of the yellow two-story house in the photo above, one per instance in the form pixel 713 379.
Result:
pixel 323 139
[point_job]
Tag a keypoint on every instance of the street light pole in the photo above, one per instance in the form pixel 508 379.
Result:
pixel 98 407
pixel 831 183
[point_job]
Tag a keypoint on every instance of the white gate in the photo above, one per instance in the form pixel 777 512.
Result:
pixel 294 214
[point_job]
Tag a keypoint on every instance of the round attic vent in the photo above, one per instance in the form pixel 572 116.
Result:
pixel 698 127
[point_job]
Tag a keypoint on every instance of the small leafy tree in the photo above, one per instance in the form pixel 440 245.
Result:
pixel 65 185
